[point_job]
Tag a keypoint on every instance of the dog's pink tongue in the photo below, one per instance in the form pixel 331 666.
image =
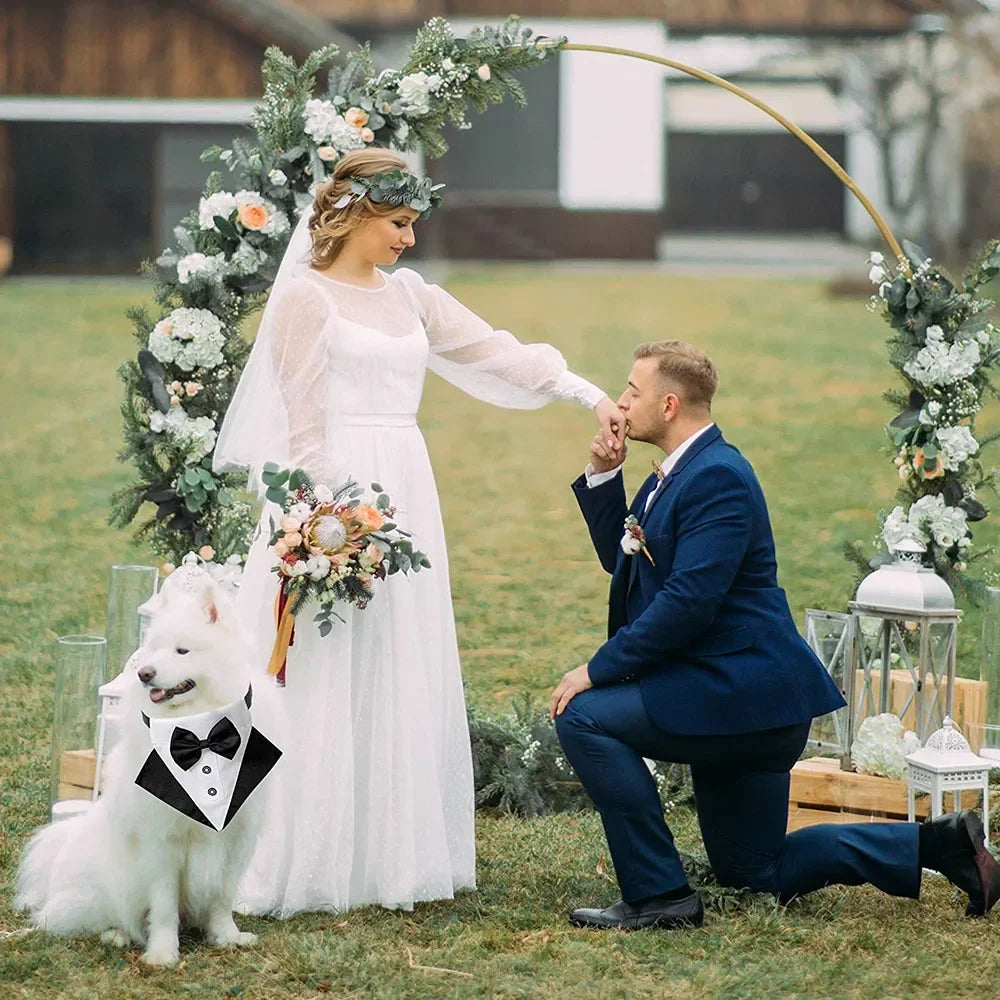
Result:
pixel 157 694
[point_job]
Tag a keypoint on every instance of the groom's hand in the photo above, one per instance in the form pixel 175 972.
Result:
pixel 573 682
pixel 604 458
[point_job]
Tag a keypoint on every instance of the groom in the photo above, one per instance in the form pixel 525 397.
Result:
pixel 704 666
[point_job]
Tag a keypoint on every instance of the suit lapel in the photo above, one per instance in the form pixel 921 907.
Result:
pixel 709 437
pixel 260 757
pixel 158 781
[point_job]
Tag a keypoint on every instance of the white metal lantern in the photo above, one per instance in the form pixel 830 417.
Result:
pixel 946 763
pixel 110 715
pixel 894 652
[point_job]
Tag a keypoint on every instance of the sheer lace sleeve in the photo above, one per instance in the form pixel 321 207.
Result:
pixel 489 364
pixel 299 353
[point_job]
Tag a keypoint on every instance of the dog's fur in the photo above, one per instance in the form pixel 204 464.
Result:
pixel 132 866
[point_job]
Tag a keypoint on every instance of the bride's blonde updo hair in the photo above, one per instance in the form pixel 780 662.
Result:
pixel 330 227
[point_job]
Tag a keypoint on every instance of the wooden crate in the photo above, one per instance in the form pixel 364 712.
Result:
pixel 821 792
pixel 969 706
pixel 77 770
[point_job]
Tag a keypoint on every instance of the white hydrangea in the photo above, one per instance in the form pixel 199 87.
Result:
pixel 196 434
pixel 227 574
pixel 188 338
pixel 402 131
pixel 957 445
pixel 898 527
pixel 415 92
pixel 325 125
pixel 946 524
pixel 881 746
pixel 196 266
pixel 221 203
pixel 247 259
pixel 940 363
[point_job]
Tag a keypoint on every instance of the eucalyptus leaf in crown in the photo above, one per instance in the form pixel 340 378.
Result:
pixel 395 187
pixel 226 253
pixel 945 349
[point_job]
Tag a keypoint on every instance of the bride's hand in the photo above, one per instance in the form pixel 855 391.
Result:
pixel 612 422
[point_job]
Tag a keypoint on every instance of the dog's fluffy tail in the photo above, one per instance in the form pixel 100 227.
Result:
pixel 57 883
pixel 34 874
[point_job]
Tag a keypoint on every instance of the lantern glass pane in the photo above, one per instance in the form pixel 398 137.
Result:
pixel 989 655
pixel 829 636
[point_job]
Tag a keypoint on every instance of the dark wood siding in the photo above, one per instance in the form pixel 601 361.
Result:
pixel 761 182
pixel 128 48
pixel 682 15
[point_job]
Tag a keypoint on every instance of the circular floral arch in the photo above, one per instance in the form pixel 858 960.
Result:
pixel 226 254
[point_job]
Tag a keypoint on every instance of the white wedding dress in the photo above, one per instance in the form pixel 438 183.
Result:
pixel 372 801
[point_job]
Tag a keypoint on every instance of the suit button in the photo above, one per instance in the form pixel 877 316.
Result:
pixel 206 770
pixel 213 791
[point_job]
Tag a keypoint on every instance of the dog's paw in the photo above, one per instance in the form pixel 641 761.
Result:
pixel 233 939
pixel 117 937
pixel 163 956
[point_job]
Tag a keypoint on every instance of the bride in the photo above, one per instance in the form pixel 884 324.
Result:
pixel 373 799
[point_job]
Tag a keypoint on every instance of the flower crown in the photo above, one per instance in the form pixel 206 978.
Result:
pixel 394 187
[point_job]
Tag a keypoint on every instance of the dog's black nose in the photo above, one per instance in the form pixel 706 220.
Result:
pixel 146 674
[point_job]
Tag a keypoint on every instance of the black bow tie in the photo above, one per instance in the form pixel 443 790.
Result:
pixel 186 748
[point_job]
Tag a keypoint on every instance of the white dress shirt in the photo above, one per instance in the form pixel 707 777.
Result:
pixel 666 466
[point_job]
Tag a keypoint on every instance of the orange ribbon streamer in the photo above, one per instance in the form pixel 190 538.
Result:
pixel 285 621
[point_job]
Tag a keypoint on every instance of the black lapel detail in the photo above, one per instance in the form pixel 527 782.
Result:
pixel 158 781
pixel 258 759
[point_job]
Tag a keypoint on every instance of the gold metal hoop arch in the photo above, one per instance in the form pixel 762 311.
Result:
pixel 718 81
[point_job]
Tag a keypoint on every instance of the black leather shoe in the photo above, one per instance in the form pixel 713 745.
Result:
pixel 666 913
pixel 962 857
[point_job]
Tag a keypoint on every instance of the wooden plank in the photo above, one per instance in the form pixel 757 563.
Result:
pixel 823 785
pixel 799 818
pixel 78 767
pixel 70 791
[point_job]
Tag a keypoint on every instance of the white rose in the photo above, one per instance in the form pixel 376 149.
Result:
pixel 221 203
pixel 278 178
pixel 876 258
pixel 933 407
pixel 877 274
pixel 297 568
pixel 630 545
pixel 484 73
pixel 300 511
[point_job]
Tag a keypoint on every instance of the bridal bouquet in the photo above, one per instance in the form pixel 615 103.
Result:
pixel 332 545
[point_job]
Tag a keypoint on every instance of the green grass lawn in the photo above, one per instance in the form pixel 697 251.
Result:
pixel 800 396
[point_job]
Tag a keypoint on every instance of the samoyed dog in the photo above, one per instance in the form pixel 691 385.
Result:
pixel 134 866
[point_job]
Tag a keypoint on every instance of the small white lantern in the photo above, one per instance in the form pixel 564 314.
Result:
pixel 110 716
pixel 946 763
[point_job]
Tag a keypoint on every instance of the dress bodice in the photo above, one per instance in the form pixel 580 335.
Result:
pixel 376 351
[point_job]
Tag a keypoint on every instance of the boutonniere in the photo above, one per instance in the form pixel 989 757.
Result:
pixel 634 539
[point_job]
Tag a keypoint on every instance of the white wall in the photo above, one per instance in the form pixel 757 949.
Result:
pixel 610 114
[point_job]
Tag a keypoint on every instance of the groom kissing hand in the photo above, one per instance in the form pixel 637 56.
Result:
pixel 704 666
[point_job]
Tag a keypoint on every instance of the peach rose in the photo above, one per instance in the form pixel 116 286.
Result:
pixel 252 216
pixel 327 153
pixel 289 523
pixel 175 386
pixel 355 117
pixel 367 135
pixel 340 559
pixel 918 464
pixel 207 553
pixel 281 548
pixel 293 539
pixel 368 517
pixel 174 400
pixel 167 568
pixel 193 388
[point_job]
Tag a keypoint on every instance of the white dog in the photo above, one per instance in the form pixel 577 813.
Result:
pixel 175 825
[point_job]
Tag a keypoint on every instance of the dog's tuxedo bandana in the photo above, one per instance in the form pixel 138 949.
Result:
pixel 206 765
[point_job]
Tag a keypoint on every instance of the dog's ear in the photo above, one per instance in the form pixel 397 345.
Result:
pixel 210 602
pixel 212 611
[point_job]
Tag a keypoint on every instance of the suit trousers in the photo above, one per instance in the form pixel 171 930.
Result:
pixel 741 795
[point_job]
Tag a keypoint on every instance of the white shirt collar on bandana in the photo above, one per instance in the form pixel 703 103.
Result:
pixel 211 781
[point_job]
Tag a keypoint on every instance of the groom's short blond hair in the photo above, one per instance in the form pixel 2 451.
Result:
pixel 687 368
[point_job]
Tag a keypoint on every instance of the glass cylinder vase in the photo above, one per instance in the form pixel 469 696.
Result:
pixel 129 587
pixel 81 661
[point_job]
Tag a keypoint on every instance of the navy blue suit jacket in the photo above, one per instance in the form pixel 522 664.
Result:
pixel 706 631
